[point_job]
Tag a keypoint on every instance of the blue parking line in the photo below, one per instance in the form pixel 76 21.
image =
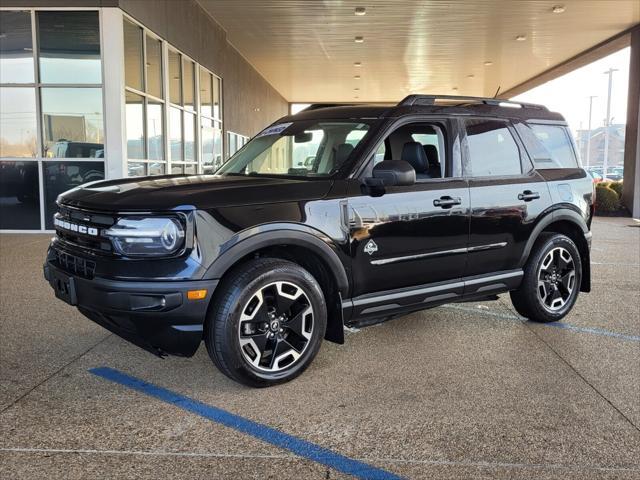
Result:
pixel 565 326
pixel 267 434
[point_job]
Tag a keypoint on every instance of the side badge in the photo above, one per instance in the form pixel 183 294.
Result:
pixel 371 247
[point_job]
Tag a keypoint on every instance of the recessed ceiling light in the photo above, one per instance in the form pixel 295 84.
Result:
pixel 360 11
pixel 558 9
pixel 356 89
pixel 488 63
pixel 359 39
pixel 357 77
pixel 521 38
pixel 356 96
pixel 455 89
pixel 357 64
pixel 470 76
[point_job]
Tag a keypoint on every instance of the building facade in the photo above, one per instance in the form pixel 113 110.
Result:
pixel 115 88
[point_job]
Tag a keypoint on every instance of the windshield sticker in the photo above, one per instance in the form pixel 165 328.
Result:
pixel 274 130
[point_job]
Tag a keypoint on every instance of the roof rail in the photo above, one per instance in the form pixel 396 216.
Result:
pixel 318 106
pixel 496 102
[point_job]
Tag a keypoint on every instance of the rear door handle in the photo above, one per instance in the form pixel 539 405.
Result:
pixel 446 202
pixel 528 195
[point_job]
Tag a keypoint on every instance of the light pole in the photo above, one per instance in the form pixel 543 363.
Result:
pixel 607 124
pixel 591 97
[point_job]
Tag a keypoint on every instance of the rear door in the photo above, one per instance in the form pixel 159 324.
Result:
pixel 507 195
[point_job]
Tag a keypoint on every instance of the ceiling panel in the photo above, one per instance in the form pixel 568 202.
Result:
pixel 306 48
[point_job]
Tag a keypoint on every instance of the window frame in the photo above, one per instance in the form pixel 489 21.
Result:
pixel 526 165
pixel 167 104
pixel 450 127
pixel 37 86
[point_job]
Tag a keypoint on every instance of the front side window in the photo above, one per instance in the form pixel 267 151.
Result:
pixel 300 149
pixel 492 150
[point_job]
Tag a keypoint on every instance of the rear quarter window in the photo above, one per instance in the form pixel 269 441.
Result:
pixel 550 146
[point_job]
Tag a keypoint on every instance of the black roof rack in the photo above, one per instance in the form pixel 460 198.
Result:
pixel 496 102
pixel 318 106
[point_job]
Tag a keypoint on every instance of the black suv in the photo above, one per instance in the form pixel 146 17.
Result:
pixel 338 215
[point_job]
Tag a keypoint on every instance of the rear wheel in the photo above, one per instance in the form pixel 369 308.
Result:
pixel 551 280
pixel 267 322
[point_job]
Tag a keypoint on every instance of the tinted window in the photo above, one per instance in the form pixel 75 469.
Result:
pixel 133 55
pixel 69 47
pixel 19 197
pixel 62 176
pixel 492 149
pixel 16 50
pixel 18 124
pixel 556 150
pixel 72 122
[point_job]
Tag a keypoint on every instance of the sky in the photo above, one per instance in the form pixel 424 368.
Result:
pixel 569 94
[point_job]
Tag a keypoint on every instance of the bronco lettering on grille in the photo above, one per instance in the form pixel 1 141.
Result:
pixel 74 227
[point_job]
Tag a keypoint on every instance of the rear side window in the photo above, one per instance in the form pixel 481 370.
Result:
pixel 492 149
pixel 549 145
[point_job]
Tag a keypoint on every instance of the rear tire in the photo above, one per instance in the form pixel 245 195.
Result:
pixel 266 322
pixel 552 278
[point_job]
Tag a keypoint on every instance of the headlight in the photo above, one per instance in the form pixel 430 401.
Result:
pixel 151 236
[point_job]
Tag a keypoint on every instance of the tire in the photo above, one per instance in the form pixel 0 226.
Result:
pixel 267 320
pixel 552 278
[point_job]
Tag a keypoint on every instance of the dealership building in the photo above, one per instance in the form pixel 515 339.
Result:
pixel 93 89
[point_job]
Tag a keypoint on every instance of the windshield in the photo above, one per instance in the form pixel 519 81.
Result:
pixel 312 148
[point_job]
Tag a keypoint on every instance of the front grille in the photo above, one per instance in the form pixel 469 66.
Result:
pixel 75 225
pixel 76 265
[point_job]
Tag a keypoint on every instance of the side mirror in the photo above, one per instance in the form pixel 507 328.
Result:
pixel 394 173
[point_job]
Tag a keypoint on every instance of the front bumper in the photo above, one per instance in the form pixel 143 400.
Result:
pixel 154 315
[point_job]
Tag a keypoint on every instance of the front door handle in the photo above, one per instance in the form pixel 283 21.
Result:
pixel 446 202
pixel 528 195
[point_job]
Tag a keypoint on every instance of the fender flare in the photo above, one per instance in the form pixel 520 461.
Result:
pixel 561 214
pixel 253 239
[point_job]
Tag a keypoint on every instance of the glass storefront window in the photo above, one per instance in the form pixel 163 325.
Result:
pixel 189 84
pixel 69 47
pixel 18 122
pixel 16 48
pixel 175 78
pixel 141 169
pixel 19 195
pixel 58 177
pixel 175 134
pixel 205 93
pixel 133 61
pixel 216 99
pixel 72 119
pixel 155 136
pixel 134 125
pixel 154 66
pixel 189 137
pixel 211 133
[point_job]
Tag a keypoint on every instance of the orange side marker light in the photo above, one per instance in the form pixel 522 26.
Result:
pixel 196 294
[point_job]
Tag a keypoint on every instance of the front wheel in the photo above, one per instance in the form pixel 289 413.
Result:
pixel 267 322
pixel 551 281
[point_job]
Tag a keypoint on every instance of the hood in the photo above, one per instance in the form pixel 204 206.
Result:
pixel 191 192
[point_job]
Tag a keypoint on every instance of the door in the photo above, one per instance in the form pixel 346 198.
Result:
pixel 507 196
pixel 416 235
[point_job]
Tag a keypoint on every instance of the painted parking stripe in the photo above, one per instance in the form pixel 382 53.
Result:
pixel 565 326
pixel 267 434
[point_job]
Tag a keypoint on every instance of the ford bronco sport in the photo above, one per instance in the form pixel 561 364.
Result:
pixel 338 215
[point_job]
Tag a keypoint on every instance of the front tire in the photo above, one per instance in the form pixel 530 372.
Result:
pixel 266 323
pixel 552 278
